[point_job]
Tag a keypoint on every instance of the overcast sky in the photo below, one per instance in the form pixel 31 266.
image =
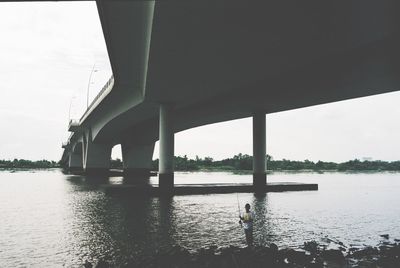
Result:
pixel 48 50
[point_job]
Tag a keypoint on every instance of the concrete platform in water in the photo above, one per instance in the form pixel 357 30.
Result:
pixel 192 189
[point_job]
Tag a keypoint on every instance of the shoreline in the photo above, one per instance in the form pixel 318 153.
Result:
pixel 15 169
pixel 386 254
pixel 235 172
pixel 250 172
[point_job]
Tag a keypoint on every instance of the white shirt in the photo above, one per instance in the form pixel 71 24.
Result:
pixel 247 220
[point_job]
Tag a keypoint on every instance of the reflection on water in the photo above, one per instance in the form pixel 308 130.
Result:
pixel 50 219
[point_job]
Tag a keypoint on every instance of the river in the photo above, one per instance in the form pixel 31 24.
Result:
pixel 50 219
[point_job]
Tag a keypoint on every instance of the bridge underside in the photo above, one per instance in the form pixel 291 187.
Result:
pixel 215 60
pixel 219 60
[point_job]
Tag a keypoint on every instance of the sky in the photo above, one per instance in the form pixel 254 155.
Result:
pixel 53 54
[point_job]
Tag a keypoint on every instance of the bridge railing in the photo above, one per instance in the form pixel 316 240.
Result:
pixel 106 87
pixel 67 143
pixel 73 122
pixel 73 125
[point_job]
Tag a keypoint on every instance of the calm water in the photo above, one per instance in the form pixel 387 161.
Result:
pixel 48 219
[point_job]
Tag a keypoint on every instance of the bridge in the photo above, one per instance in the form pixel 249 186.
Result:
pixel 179 64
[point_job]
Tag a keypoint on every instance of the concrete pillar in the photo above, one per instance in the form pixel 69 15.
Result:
pixel 137 159
pixel 166 136
pixel 75 163
pixel 97 157
pixel 259 150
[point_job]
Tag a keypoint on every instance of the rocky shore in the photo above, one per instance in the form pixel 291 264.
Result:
pixel 312 254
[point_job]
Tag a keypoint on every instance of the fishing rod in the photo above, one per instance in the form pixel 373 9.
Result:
pixel 237 197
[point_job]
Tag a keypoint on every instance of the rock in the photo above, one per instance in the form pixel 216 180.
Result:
pixel 213 247
pixel 273 247
pixel 87 264
pixel 352 249
pixel 315 264
pixel 202 252
pixel 366 252
pixel 387 255
pixel 299 257
pixel 311 246
pixel 366 263
pixel 283 254
pixel 386 236
pixel 333 255
pixel 133 263
pixel 388 262
pixel 270 256
pixel 226 251
pixel 101 264
pixel 392 252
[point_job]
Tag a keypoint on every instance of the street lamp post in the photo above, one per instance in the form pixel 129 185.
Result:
pixel 90 79
pixel 69 111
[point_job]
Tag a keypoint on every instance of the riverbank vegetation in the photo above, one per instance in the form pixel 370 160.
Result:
pixel 27 164
pixel 245 162
pixel 240 162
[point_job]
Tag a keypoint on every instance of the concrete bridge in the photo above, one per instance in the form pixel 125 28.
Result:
pixel 179 64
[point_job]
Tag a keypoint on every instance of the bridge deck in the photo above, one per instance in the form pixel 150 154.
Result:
pixel 193 189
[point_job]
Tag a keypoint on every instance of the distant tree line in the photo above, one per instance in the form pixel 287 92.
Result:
pixel 237 162
pixel 352 165
pixel 22 163
pixel 245 162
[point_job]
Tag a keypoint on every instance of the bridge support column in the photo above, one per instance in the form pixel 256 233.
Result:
pixel 259 150
pixel 166 136
pixel 97 157
pixel 137 159
pixel 75 163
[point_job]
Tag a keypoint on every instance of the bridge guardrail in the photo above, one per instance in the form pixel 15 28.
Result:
pixel 109 84
pixel 73 122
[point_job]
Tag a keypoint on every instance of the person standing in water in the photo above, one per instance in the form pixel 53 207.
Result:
pixel 246 220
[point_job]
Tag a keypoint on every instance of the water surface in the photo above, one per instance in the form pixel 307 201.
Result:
pixel 49 219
